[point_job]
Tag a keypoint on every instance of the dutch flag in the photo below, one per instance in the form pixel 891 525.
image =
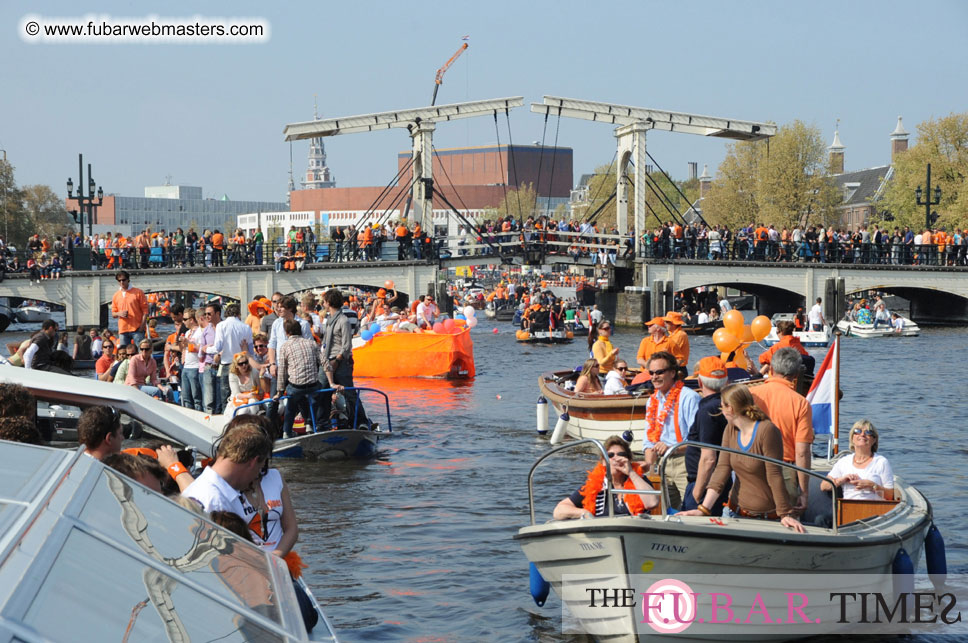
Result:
pixel 823 394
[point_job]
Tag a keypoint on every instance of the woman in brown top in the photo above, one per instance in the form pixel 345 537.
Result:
pixel 761 490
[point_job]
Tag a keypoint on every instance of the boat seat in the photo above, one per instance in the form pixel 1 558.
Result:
pixel 818 510
pixel 852 510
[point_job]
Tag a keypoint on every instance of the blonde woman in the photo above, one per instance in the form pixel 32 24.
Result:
pixel 244 386
pixel 588 381
pixel 762 494
pixel 865 475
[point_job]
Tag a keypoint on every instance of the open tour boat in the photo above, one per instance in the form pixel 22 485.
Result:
pixel 867 538
pixel 808 338
pixel 866 331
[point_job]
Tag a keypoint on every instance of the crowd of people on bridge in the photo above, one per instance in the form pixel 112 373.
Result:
pixel 47 258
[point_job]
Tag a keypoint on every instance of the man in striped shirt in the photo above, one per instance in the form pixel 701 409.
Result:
pixel 298 374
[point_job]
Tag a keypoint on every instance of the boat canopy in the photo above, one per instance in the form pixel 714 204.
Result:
pixel 85 551
pixel 166 419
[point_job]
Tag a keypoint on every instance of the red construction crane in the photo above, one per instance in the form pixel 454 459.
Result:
pixel 442 70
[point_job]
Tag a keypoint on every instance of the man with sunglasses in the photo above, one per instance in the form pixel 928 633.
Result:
pixel 103 364
pixel 669 416
pixel 143 371
pixel 130 307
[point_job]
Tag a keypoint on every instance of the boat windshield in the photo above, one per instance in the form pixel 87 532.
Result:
pixel 84 549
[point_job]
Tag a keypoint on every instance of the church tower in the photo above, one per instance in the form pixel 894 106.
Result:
pixel 317 174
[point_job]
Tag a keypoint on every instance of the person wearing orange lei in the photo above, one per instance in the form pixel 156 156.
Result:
pixel 589 501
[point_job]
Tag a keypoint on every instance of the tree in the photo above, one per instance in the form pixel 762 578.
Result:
pixel 944 144
pixel 46 212
pixel 786 183
pixel 518 202
pixel 16 227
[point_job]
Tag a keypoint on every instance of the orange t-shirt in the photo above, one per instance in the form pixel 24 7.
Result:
pixel 648 346
pixel 218 240
pixel 134 301
pixel 788 410
pixel 785 341
pixel 679 346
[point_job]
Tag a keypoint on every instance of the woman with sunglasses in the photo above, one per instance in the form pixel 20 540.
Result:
pixel 589 501
pixel 762 492
pixel 865 475
pixel 191 390
pixel 245 386
pixel 602 350
pixel 588 381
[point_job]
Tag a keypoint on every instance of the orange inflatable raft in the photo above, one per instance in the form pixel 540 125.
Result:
pixel 430 354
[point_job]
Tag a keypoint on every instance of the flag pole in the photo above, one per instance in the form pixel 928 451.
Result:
pixel 836 399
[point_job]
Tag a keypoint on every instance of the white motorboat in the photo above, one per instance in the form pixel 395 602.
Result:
pixel 86 553
pixel 855 329
pixel 809 338
pixel 863 540
pixel 32 314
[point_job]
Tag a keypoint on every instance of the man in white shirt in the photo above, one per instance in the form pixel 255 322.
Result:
pixel 815 316
pixel 286 309
pixel 230 333
pixel 702 317
pixel 426 312
pixel 724 305
pixel 596 315
pixel 897 323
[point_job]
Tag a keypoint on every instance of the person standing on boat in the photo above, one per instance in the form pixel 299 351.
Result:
pixel 669 416
pixel 602 349
pixel 589 501
pixel 130 307
pixel 815 316
pixel 762 493
pixel 232 336
pixel 337 358
pixel 678 340
pixel 708 428
pixel 791 413
pixel 298 369
pixel 866 475
pixel 657 341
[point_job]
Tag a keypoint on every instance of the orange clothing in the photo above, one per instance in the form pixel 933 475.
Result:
pixel 926 238
pixel 218 241
pixel 367 237
pixel 134 301
pixel 788 410
pixel 648 346
pixel 785 341
pixel 401 231
pixel 679 346
pixel 254 322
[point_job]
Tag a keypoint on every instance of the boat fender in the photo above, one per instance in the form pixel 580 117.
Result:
pixel 539 586
pixel 559 433
pixel 627 435
pixel 542 408
pixel 935 558
pixel 903 571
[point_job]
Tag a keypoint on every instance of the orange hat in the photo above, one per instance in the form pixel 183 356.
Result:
pixel 257 304
pixel 674 318
pixel 712 367
pixel 656 321
pixel 381 293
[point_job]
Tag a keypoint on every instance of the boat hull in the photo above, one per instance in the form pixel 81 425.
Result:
pixel 867 331
pixel 441 355
pixel 598 416
pixel 612 548
pixel 545 337
pixel 328 445
pixel 808 338
pixel 32 315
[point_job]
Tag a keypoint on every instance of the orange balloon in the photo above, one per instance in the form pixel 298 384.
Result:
pixel 748 335
pixel 733 322
pixel 761 327
pixel 740 358
pixel 388 284
pixel 725 340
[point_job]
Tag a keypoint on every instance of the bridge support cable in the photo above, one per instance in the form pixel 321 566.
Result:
pixel 514 166
pixel 495 248
pixel 669 179
pixel 449 182
pixel 594 215
pixel 504 182
pixel 554 157
pixel 664 200
pixel 544 130
pixel 386 190
pixel 608 173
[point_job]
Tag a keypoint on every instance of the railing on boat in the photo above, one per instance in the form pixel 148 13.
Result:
pixel 663 490
pixel 312 410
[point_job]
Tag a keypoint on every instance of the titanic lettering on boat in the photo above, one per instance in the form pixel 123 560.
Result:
pixel 675 549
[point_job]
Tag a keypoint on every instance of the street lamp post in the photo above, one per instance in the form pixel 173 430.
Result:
pixel 6 234
pixel 928 201
pixel 84 200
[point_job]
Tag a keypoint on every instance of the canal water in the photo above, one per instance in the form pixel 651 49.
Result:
pixel 416 545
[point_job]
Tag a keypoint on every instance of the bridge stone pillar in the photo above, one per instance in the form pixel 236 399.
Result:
pixel 423 163
pixel 631 146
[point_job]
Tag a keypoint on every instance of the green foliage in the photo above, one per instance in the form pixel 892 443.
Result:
pixel 785 183
pixel 519 203
pixel 943 143
pixel 33 209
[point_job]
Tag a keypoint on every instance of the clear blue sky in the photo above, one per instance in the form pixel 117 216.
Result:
pixel 212 115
